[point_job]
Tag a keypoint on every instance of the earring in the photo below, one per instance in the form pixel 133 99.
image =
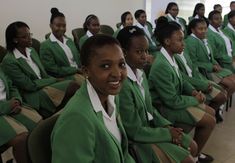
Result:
pixel 16 42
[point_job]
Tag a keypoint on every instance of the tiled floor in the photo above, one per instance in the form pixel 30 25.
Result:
pixel 221 145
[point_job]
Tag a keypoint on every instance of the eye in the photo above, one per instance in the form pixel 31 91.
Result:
pixel 122 64
pixel 105 66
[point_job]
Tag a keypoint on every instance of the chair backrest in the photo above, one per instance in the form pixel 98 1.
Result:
pixel 106 29
pixel 118 25
pixel 77 34
pixel 39 141
pixel 36 44
pixel 3 52
pixel 47 35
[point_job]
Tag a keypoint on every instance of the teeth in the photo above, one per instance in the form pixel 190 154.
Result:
pixel 114 83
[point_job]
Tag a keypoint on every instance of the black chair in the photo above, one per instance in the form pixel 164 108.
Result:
pixel 36 45
pixel 77 34
pixel 106 29
pixel 39 141
pixel 3 52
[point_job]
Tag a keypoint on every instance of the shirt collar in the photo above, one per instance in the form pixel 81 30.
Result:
pixel 18 54
pixel 213 28
pixel 54 39
pixel 203 40
pixel 140 25
pixel 170 59
pixel 88 33
pixel 171 17
pixel 196 16
pixel 96 103
pixel 138 77
pixel 231 27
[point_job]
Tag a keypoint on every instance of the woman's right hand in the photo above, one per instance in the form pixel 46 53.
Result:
pixel 176 134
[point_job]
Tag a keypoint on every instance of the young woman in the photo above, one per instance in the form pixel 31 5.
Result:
pixel 23 66
pixel 90 128
pixel 172 11
pixel 16 119
pixel 58 53
pixel 199 12
pixel 202 57
pixel 91 26
pixel 180 100
pixel 126 20
pixel 232 8
pixel 145 127
pixel 221 44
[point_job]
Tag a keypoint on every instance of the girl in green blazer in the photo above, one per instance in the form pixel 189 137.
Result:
pixel 58 53
pixel 16 119
pixel 126 20
pixel 23 66
pixel 172 11
pixel 180 100
pixel 91 26
pixel 145 127
pixel 90 128
pixel 221 44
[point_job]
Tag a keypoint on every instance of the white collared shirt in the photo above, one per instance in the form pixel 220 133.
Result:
pixel 110 118
pixel 188 69
pixel 171 60
pixel 29 60
pixel 66 49
pixel 138 78
pixel 176 20
pixel 196 16
pixel 205 43
pixel 226 40
pixel 146 31
pixel 231 27
pixel 3 94
pixel 88 33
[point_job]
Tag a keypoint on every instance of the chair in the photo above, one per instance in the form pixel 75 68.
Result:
pixel 77 34
pixel 3 52
pixel 106 29
pixel 47 35
pixel 118 25
pixel 36 44
pixel 39 143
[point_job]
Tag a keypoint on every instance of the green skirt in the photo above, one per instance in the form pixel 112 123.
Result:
pixel 13 125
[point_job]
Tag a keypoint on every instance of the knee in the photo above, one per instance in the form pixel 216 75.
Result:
pixel 19 139
pixel 207 121
pixel 72 88
pixel 193 148
pixel 221 98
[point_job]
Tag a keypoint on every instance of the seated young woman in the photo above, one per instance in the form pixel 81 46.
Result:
pixel 22 64
pixel 90 128
pixel 155 139
pixel 181 102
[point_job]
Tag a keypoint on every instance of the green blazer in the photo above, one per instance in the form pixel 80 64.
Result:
pixel 166 87
pixel 140 130
pixel 218 46
pixel 82 40
pixel 80 135
pixel 11 92
pixel 24 78
pixel 225 22
pixel 197 80
pixel 55 60
pixel 116 33
pixel 231 35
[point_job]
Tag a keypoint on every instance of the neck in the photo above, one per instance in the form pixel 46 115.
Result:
pixel 22 50
pixel 103 100
pixel 171 54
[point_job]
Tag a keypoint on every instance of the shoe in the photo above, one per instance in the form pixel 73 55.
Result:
pixel 205 158
pixel 218 116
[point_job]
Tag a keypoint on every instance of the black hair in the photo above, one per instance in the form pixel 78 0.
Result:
pixel 212 13
pixel 11 33
pixel 123 17
pixel 232 2
pixel 55 13
pixel 194 23
pixel 138 13
pixel 197 7
pixel 165 29
pixel 169 6
pixel 88 21
pixel 92 44
pixel 216 5
pixel 231 14
pixel 126 34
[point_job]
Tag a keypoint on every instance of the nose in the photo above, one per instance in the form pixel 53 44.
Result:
pixel 116 72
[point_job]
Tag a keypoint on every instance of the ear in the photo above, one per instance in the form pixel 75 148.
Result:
pixel 85 71
pixel 167 42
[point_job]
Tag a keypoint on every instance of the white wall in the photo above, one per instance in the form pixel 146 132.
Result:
pixel 36 13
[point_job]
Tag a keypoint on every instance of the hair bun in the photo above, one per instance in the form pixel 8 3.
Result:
pixel 54 11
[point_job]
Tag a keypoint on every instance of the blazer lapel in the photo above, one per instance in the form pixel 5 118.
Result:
pixel 60 52
pixel 24 65
pixel 38 63
pixel 2 77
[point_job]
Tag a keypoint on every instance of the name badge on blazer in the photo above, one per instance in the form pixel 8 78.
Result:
pixel 150 117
